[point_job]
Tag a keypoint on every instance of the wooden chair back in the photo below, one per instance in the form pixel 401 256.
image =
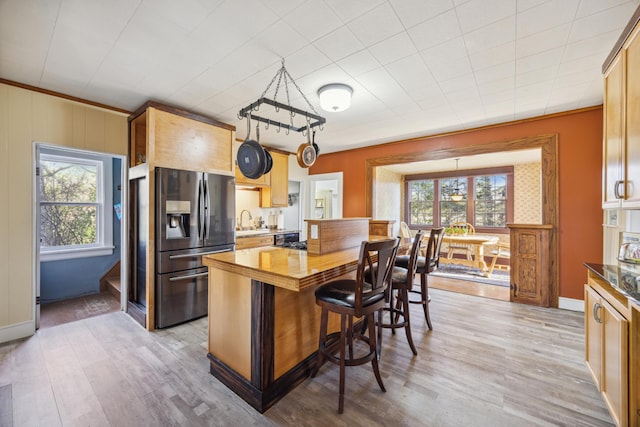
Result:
pixel 375 265
pixel 405 231
pixel 432 252
pixel 413 258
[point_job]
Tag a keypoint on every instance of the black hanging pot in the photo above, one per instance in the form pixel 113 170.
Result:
pixel 252 159
pixel 315 146
pixel 269 161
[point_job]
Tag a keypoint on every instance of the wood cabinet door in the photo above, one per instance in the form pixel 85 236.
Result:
pixel 593 334
pixel 632 122
pixel 615 357
pixel 264 180
pixel 530 266
pixel 277 193
pixel 613 184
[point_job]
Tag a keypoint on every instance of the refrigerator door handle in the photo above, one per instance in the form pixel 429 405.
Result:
pixel 187 276
pixel 172 257
pixel 200 210
pixel 207 206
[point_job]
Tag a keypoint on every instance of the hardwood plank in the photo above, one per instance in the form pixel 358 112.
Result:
pixel 486 363
pixel 6 405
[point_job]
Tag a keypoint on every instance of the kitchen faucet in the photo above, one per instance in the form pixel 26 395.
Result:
pixel 250 217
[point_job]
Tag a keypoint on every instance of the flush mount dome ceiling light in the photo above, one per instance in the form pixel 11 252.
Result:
pixel 335 97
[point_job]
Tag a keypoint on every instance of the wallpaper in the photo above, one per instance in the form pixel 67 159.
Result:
pixel 527 198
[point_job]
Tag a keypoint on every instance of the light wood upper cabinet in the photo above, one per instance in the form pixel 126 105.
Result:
pixel 613 185
pixel 276 195
pixel 621 142
pixel 263 181
pixel 163 136
pixel 632 119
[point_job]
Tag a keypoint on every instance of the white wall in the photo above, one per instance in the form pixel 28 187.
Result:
pixel 388 197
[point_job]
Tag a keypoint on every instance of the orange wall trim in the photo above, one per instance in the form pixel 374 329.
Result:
pixel 579 158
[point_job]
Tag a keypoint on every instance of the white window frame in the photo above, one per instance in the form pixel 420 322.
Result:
pixel 104 197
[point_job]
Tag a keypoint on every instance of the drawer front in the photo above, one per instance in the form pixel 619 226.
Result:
pixel 254 242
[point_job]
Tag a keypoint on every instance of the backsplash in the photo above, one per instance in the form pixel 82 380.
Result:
pixel 250 200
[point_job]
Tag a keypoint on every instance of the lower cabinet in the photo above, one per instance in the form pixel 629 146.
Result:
pixel 254 241
pixel 607 351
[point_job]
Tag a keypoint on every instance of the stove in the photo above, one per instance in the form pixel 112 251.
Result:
pixel 296 245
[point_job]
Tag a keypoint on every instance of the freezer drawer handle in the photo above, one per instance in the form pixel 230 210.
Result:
pixel 188 276
pixel 198 254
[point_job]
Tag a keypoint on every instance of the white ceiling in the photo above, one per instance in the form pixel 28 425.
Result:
pixel 417 67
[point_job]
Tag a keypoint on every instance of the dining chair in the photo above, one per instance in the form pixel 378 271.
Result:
pixel 502 251
pixel 425 264
pixel 457 228
pixel 356 298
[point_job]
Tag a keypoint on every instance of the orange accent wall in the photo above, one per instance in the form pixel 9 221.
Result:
pixel 579 180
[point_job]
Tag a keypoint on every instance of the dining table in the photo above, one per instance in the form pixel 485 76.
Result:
pixel 476 242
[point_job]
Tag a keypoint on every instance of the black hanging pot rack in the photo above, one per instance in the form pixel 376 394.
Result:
pixel 311 119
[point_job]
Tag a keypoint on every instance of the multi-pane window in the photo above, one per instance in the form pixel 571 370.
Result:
pixel 421 196
pixel 491 201
pixel 74 207
pixel 451 210
pixel 485 203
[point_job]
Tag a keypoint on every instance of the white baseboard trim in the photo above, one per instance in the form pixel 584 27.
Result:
pixel 17 331
pixel 571 304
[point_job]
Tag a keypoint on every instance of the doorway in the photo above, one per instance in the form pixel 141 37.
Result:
pixel 79 215
pixel 325 196
pixel 549 183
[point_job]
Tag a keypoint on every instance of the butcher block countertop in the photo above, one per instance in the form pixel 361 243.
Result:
pixel 286 268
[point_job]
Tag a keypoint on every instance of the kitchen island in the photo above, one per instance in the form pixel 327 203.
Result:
pixel 263 320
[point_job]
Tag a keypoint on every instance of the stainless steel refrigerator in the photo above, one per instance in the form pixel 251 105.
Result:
pixel 195 215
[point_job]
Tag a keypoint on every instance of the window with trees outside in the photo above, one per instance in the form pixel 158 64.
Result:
pixel 487 200
pixel 75 205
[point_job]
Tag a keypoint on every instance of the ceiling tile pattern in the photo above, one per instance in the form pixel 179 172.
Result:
pixel 417 67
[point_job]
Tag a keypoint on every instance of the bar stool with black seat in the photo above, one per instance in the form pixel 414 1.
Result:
pixel 425 265
pixel 356 298
pixel 401 284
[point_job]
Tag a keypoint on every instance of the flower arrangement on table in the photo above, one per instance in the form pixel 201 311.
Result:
pixel 456 231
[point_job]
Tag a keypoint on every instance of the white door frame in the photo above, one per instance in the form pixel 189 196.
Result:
pixel 124 226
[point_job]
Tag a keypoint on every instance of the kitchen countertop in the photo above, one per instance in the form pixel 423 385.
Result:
pixel 624 278
pixel 291 269
pixel 262 232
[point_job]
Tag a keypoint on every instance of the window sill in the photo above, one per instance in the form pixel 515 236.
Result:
pixel 65 254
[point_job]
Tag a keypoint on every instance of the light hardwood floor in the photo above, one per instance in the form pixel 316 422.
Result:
pixel 486 363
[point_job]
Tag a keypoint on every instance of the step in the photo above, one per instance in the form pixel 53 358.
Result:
pixel 113 286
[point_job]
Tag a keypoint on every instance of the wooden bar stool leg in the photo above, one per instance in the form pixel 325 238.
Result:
pixel 343 318
pixel 392 317
pixel 424 292
pixel 404 295
pixel 373 346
